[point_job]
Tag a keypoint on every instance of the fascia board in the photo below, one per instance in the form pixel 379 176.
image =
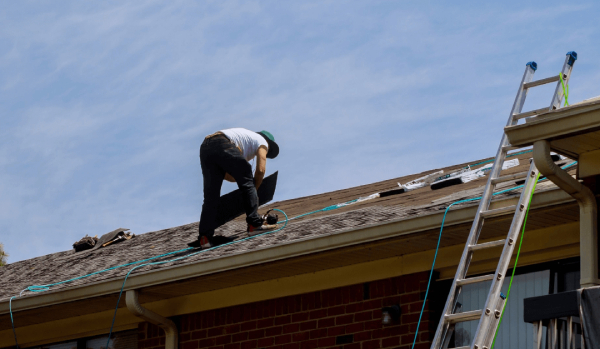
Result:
pixel 558 124
pixel 345 238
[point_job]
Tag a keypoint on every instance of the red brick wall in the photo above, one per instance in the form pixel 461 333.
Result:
pixel 307 321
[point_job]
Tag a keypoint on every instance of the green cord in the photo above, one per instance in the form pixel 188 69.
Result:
pixel 565 90
pixel 516 259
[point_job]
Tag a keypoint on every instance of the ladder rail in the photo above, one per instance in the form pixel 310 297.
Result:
pixel 483 328
pixel 566 71
pixel 484 202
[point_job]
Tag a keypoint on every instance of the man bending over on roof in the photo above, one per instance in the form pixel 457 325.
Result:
pixel 225 155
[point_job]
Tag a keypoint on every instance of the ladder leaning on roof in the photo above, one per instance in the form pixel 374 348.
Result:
pixel 490 315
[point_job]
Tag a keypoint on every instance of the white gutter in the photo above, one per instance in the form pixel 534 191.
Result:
pixel 588 210
pixel 167 325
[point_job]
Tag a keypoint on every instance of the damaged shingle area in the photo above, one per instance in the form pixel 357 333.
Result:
pixel 67 265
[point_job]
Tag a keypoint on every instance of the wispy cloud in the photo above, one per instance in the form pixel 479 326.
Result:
pixel 103 106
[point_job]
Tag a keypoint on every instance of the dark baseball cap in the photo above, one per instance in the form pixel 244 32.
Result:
pixel 273 147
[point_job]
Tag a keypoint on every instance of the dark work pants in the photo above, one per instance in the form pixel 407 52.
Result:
pixel 218 155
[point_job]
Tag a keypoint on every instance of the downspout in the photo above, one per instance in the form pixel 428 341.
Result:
pixel 167 325
pixel 588 225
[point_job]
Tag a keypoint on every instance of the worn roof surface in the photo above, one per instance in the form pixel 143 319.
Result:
pixel 67 265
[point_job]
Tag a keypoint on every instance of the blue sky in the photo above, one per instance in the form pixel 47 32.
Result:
pixel 103 105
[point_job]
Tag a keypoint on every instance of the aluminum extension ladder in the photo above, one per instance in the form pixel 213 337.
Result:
pixel 490 315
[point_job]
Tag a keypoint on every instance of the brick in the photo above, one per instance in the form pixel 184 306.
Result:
pixel 283 339
pixel 233 346
pixel 309 325
pixel 291 328
pixel 409 298
pixel 291 346
pixel 372 304
pixel 319 333
pixel 209 342
pixel 336 331
pixel 249 344
pixel 217 331
pixel 184 337
pixel 232 329
pixel 273 331
pixel 199 334
pixel 312 344
pixel 352 346
pixel 299 317
pixel 223 340
pixel 344 320
pixel 236 315
pixel 373 344
pixel 362 336
pixel 188 345
pixel 256 334
pixel 390 342
pixel 373 324
pixel 208 319
pixel 265 342
pixel 354 307
pixel 407 338
pixel 238 337
pixel 329 322
pixel 247 326
pixel 317 314
pixel 336 310
pixel 410 318
pixel 327 342
pixel 355 327
pixel 364 316
pixel 265 323
pixel 376 313
pixel 300 336
pixel 415 307
pixel 282 320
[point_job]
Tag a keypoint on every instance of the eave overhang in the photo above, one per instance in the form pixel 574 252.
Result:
pixel 571 131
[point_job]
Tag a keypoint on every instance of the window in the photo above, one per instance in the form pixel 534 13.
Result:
pixel 529 281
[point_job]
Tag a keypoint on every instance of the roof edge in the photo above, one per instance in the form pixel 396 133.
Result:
pixel 297 248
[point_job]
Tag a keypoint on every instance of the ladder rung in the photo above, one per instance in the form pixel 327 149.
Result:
pixel 510 177
pixel 498 211
pixel 531 113
pixel 462 317
pixel 507 148
pixel 541 81
pixel 485 245
pixel 475 279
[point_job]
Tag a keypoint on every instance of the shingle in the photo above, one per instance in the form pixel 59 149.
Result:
pixel 68 264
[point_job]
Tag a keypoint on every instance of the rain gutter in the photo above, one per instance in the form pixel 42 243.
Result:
pixel 588 228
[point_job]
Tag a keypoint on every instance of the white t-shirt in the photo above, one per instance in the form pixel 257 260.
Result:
pixel 248 141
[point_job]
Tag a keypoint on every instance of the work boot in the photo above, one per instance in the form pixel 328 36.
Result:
pixel 262 228
pixel 201 242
